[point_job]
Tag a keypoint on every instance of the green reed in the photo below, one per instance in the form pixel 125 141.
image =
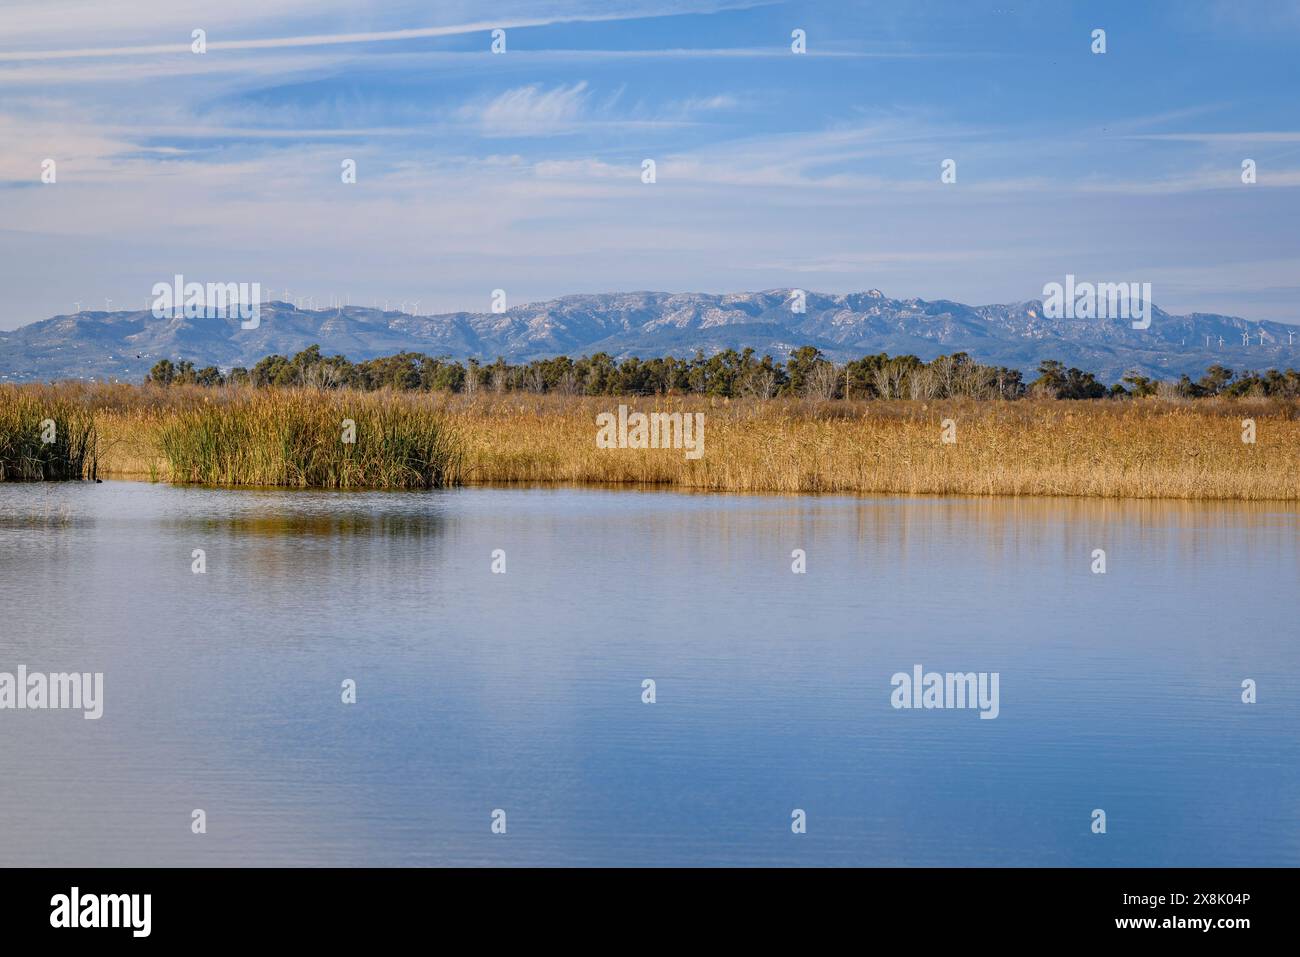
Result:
pixel 44 437
pixel 309 439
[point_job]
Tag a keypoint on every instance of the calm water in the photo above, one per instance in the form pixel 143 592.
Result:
pixel 523 691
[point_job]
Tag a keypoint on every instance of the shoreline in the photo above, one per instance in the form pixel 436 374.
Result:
pixel 595 486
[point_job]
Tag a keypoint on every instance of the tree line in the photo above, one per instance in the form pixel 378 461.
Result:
pixel 731 374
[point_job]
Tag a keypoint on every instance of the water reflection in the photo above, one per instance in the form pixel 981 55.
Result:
pixel 523 690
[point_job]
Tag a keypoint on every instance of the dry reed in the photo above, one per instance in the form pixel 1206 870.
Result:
pixel 1149 448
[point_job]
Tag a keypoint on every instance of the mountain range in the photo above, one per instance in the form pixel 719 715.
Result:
pixel 124 345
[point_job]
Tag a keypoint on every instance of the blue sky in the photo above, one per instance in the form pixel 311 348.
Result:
pixel 522 171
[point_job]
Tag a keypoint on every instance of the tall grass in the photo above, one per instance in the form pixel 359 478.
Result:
pixel 1144 448
pixel 308 439
pixel 1118 449
pixel 31 416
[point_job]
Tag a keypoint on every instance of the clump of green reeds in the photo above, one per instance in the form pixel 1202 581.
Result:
pixel 44 437
pixel 310 439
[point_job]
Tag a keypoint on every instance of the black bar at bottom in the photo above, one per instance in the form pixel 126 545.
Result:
pixel 339 906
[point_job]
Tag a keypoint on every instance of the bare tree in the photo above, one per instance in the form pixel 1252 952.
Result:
pixel 321 375
pixel 975 381
pixel 1167 389
pixel 823 380
pixel 883 382
pixel 897 374
pixel 924 383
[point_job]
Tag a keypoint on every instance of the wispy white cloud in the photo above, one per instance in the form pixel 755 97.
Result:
pixel 530 110
pixel 270 43
pixel 138 71
pixel 706 104
pixel 216 43
pixel 537 110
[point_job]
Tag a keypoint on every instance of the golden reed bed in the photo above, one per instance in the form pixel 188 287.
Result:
pixel 1132 449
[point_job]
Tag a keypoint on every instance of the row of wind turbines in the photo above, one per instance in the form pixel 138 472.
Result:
pixel 1246 337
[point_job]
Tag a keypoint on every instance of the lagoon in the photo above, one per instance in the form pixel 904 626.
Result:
pixel 478 691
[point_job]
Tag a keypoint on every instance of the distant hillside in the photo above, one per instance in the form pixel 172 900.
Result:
pixel 125 344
